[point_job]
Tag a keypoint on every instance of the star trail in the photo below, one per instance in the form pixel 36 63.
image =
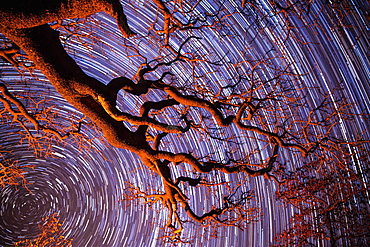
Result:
pixel 83 179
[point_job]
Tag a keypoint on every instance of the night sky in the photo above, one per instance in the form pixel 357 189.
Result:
pixel 84 183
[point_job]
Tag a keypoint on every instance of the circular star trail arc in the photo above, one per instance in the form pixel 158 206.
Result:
pixel 85 186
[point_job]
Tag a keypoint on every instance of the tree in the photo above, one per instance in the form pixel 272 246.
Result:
pixel 13 174
pixel 266 107
pixel 50 234
pixel 327 204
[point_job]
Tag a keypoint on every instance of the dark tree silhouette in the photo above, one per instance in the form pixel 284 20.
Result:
pixel 267 109
pixel 331 205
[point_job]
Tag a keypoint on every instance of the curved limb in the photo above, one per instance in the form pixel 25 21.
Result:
pixel 7 99
pixel 25 14
pixel 9 54
pixel 117 115
pixel 229 167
